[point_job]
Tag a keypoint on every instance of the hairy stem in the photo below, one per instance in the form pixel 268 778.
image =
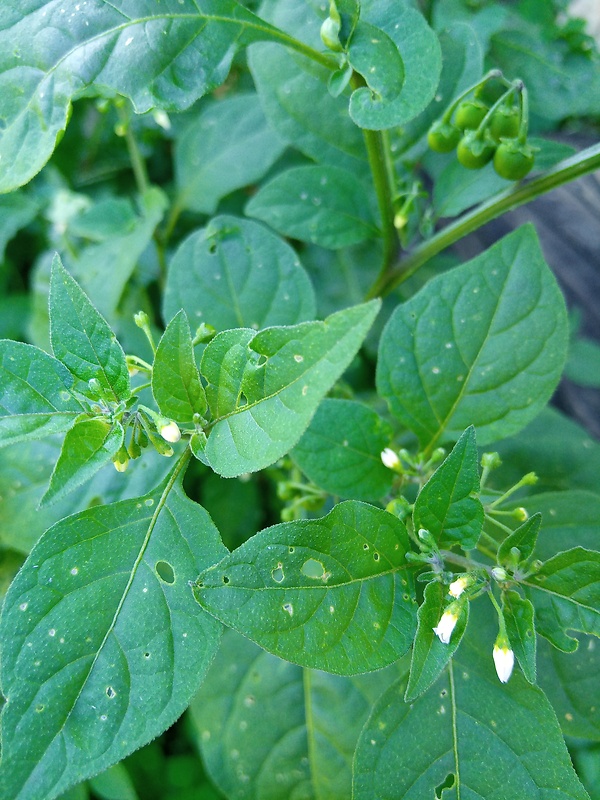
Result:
pixel 568 170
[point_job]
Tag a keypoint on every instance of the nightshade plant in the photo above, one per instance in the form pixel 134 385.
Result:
pixel 418 607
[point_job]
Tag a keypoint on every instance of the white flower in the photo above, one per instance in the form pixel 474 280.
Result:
pixel 458 586
pixel 504 659
pixel 446 625
pixel 390 459
pixel 170 432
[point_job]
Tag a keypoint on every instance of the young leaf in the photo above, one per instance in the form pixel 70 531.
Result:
pixel 235 273
pixel 340 450
pixel 332 593
pixel 289 372
pixel 524 538
pixel 176 383
pixel 35 394
pixel 323 205
pixel 503 325
pixel 103 645
pixel 430 655
pixel 227 146
pixel 82 339
pixel 468 734
pixel 520 628
pixel 446 505
pixel 223 365
pixel 405 61
pixel 88 446
pixel 110 49
pixel 254 710
pixel 566 596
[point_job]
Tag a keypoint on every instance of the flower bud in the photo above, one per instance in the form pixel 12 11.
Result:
pixel 504 658
pixel 447 623
pixel 499 574
pixel 390 458
pixel 169 431
pixel 458 586
pixel 490 461
pixel 520 514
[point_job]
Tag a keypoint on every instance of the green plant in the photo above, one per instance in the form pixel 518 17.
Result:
pixel 426 562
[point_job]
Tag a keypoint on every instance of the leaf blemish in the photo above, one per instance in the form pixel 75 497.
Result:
pixel 288 608
pixel 110 692
pixel 277 573
pixel 315 570
pixel 298 358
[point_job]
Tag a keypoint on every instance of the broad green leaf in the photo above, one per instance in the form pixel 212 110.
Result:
pixel 176 383
pixel 229 145
pixel 583 363
pixel 266 727
pixel 16 211
pixel 375 56
pixel 419 50
pixel 524 538
pixel 291 370
pixel 223 500
pixel 340 450
pixel 103 269
pixel 520 628
pixel 159 58
pixel 566 596
pixel 469 735
pixel 570 681
pixel 25 471
pixel 294 94
pixel 35 394
pixel 223 365
pixel 81 337
pixel 327 206
pixel 114 784
pixel 88 446
pixel 447 506
pixel 429 654
pixel 332 593
pixel 103 644
pixel 235 273
pixel 561 453
pixel 483 344
pixel 569 519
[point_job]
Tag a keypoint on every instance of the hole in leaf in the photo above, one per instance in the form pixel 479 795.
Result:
pixel 291 549
pixel 146 655
pixel 365 546
pixel 110 692
pixel 447 784
pixel 375 556
pixel 288 608
pixel 39 708
pixel 242 400
pixel 277 574
pixel 313 569
pixel 225 579
pixel 165 571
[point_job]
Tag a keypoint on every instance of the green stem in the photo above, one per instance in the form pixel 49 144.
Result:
pixel 461 561
pixel 385 195
pixel 568 170
pixel 137 162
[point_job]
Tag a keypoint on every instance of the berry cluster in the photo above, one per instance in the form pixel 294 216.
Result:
pixel 487 121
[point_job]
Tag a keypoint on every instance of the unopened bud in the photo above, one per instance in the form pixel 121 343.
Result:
pixel 170 431
pixel 499 573
pixel 141 319
pixel 390 459
pixel 520 514
pixel 438 455
pixel 458 586
pixel 490 460
pixel 447 623
pixel 530 479
pixel 504 658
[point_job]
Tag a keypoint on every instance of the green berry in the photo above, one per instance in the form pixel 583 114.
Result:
pixel 505 123
pixel 443 137
pixel 470 114
pixel 475 151
pixel 513 160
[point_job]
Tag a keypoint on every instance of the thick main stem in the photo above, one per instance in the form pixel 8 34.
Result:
pixel 571 168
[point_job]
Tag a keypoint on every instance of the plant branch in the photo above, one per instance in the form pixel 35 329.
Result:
pixel 568 170
pixel 137 162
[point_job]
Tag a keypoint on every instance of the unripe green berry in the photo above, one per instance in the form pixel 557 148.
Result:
pixel 469 114
pixel 474 151
pixel 513 160
pixel 443 137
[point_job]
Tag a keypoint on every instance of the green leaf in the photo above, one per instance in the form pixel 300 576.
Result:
pixel 158 58
pixel 524 538
pixel 176 383
pixel 570 681
pixel 16 211
pixel 375 56
pixel 290 370
pixel 520 628
pixel 229 145
pixel 417 48
pixel 446 505
pixel 114 784
pixel 103 645
pixel 340 450
pixel 570 519
pixel 583 363
pixel 468 734
pixel 223 365
pixel 103 269
pixel 235 273
pixel 88 446
pixel 323 205
pixel 566 596
pixel 483 344
pixel 251 748
pixel 332 593
pixel 35 394
pixel 82 339
pixel 430 655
